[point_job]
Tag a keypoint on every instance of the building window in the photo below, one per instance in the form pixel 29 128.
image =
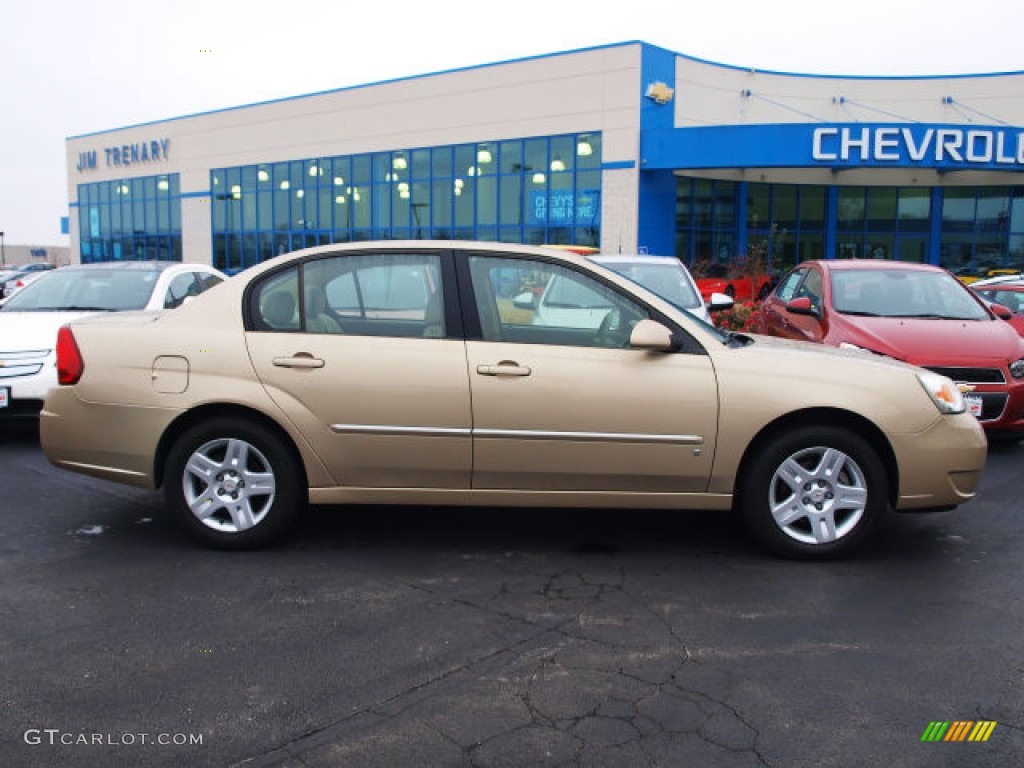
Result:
pixel 535 191
pixel 130 219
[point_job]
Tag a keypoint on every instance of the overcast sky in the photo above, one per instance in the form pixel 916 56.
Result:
pixel 70 67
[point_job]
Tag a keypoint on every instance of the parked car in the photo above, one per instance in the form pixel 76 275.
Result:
pixel 243 405
pixel 720 278
pixel 973 274
pixel 917 313
pixel 11 274
pixel 1007 294
pixel 561 298
pixel 670 279
pixel 19 281
pixel 29 319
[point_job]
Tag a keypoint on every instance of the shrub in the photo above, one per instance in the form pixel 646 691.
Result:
pixel 741 317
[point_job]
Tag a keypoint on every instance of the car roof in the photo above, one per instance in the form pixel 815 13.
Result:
pixel 869 264
pixel 136 266
pixel 632 258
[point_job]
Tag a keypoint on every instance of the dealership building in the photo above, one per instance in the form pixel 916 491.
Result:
pixel 627 147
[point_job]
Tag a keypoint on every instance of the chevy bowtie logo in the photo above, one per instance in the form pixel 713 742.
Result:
pixel 659 92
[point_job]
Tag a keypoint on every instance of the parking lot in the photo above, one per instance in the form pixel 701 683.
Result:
pixel 476 637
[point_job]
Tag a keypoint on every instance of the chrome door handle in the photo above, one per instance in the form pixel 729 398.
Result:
pixel 504 368
pixel 301 360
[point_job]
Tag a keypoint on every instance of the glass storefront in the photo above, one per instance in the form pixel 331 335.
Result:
pixel 960 228
pixel 130 219
pixel 533 191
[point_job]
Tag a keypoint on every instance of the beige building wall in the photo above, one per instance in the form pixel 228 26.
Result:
pixel 588 91
pixel 16 255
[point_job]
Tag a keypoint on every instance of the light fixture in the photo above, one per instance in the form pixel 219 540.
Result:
pixel 355 194
pixel 284 185
pixel 123 189
pixel 404 194
pixel 315 170
pixel 399 163
pixel 338 181
pixel 236 192
pixel 262 175
pixel 459 183
pixel 483 156
pixel 300 193
pixel 162 184
pixel 340 199
pixel 557 165
pixel 472 171
pixel 403 186
pixel 538 178
pixel 583 148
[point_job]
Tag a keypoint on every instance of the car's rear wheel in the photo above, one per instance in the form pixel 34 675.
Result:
pixel 233 484
pixel 814 492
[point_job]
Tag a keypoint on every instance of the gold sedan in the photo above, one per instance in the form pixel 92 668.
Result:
pixel 421 373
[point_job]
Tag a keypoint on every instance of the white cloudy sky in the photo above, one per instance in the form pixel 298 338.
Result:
pixel 69 67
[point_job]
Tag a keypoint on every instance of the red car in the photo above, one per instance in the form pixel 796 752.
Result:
pixel 917 313
pixel 1009 294
pixel 716 279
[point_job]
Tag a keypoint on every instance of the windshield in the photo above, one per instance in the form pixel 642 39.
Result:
pixel 668 280
pixel 900 293
pixel 96 289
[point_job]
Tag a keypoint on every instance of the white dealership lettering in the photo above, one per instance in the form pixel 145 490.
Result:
pixel 941 146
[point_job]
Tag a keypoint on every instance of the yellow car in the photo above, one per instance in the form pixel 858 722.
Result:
pixel 403 373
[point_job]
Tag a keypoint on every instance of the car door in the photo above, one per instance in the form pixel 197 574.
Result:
pixel 377 384
pixel 803 282
pixel 570 407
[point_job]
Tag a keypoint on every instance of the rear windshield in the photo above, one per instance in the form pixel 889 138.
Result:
pixel 98 289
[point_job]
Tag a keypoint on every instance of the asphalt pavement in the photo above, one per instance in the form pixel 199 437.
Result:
pixel 494 637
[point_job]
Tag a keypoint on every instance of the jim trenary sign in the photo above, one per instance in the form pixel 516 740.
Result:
pixel 919 145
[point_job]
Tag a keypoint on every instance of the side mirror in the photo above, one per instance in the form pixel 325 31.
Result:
pixel 1003 313
pixel 525 300
pixel 720 301
pixel 802 306
pixel 653 336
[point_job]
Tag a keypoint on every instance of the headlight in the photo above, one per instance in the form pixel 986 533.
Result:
pixel 1017 368
pixel 943 392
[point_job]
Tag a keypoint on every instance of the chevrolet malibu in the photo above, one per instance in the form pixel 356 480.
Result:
pixel 403 373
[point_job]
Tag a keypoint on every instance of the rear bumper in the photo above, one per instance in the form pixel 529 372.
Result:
pixel 68 429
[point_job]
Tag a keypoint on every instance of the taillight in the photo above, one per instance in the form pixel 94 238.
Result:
pixel 70 364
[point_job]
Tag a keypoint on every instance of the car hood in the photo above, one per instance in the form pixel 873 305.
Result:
pixel 33 330
pixel 933 342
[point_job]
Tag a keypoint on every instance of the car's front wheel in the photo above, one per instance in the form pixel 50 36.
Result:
pixel 815 492
pixel 233 484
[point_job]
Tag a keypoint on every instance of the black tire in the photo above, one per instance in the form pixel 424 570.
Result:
pixel 245 471
pixel 835 492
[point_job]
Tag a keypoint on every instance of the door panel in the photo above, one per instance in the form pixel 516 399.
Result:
pixel 559 400
pixel 380 412
pixel 591 419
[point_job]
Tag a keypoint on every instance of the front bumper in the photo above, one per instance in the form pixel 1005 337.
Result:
pixel 941 466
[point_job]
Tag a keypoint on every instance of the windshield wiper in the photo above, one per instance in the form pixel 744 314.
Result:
pixel 76 309
pixel 929 316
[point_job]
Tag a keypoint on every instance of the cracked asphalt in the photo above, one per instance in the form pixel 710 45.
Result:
pixel 491 638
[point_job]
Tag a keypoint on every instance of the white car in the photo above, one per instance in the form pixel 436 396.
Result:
pixel 562 302
pixel 18 282
pixel 31 317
